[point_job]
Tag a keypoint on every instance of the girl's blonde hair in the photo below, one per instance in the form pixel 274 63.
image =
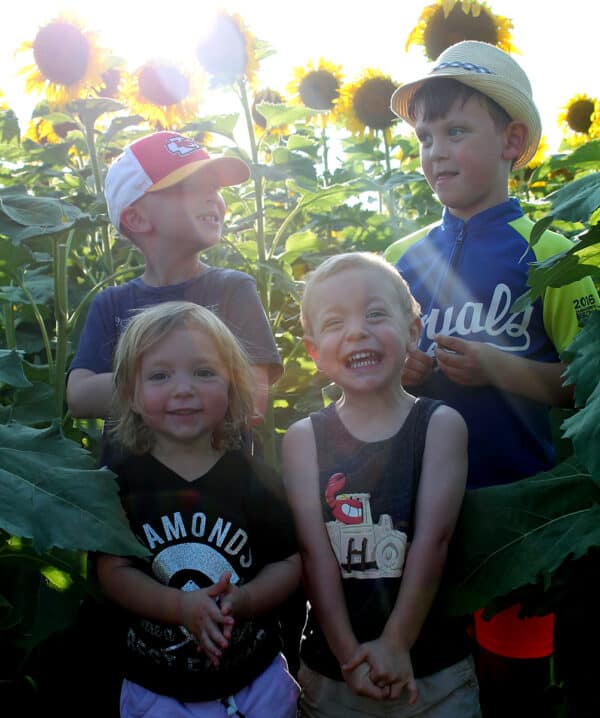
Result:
pixel 150 326
pixel 357 260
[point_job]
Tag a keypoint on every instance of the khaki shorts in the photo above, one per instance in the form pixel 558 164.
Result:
pixel 450 693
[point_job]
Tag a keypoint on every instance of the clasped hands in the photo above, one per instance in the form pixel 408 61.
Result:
pixel 381 671
pixel 208 614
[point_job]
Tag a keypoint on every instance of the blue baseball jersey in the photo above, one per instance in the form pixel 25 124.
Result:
pixel 466 277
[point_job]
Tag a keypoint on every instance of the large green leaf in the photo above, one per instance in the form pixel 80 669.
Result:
pixel 583 428
pixel 576 201
pixel 11 369
pixel 514 535
pixel 580 260
pixel 50 493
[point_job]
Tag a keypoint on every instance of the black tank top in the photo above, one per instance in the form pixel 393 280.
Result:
pixel 368 493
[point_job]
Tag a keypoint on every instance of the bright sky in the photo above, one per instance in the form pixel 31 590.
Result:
pixel 558 40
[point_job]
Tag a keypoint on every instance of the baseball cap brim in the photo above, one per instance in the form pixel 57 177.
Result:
pixel 227 171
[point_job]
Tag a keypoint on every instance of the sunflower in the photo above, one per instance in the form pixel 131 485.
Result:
pixel 67 61
pixel 365 103
pixel 272 97
pixel 3 104
pixel 228 50
pixel 317 87
pixel 163 94
pixel 580 119
pixel 446 22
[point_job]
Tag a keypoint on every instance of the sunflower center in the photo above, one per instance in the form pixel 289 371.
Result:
pixel 371 103
pixel 163 85
pixel 318 89
pixel 61 52
pixel 579 115
pixel 223 52
pixel 441 32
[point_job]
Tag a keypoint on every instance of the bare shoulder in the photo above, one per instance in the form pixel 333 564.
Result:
pixel 298 451
pixel 446 419
pixel 299 434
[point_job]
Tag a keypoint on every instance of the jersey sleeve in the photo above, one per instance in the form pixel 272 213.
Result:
pixel 246 318
pixel 566 308
pixel 96 343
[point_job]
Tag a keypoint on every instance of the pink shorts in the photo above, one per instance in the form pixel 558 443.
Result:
pixel 274 693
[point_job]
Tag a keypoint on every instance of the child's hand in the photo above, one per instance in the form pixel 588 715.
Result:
pixel 357 675
pixel 203 617
pixel 466 363
pixel 390 669
pixel 417 368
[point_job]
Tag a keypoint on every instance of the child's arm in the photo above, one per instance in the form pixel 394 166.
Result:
pixel 89 394
pixel 441 490
pixel 475 364
pixel 320 570
pixel 265 592
pixel 143 595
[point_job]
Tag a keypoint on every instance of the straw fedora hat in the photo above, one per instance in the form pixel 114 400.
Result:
pixel 492 72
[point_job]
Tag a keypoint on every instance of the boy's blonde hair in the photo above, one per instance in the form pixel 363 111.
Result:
pixel 357 260
pixel 150 326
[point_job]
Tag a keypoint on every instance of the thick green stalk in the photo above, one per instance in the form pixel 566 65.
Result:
pixel 61 315
pixel 98 186
pixel 262 277
pixel 10 335
pixel 389 195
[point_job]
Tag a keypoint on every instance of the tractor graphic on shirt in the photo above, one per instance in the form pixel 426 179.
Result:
pixel 363 549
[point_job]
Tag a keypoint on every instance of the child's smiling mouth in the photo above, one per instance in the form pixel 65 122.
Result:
pixel 358 360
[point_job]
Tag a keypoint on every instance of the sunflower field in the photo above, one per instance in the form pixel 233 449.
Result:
pixel 332 171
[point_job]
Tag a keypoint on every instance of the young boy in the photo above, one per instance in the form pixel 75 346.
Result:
pixel 475 119
pixel 375 482
pixel 163 194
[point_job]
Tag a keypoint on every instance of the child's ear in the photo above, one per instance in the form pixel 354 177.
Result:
pixel 311 348
pixel 133 219
pixel 515 139
pixel 414 333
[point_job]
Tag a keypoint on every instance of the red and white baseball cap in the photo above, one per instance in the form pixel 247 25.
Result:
pixel 161 160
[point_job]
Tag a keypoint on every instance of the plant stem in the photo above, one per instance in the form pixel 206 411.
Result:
pixel 262 277
pixel 89 136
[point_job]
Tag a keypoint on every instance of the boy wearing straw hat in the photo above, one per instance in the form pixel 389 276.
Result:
pixel 475 119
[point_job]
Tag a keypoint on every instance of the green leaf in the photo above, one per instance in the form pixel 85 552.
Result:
pixel 301 243
pixel 512 535
pixel 50 493
pixel 576 201
pixel 583 428
pixel 90 109
pixel 11 369
pixel 44 214
pixel 279 115
pixel 580 260
pixel 539 228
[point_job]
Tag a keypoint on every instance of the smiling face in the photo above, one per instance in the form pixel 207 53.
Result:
pixel 182 389
pixel 466 157
pixel 188 214
pixel 359 334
